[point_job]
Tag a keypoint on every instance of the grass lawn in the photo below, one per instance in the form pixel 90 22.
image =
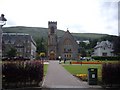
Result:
pixel 83 69
pixel 107 61
pixel 45 69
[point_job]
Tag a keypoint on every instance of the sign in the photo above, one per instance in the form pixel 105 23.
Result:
pixel 93 75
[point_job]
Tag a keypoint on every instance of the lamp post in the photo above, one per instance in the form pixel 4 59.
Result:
pixel 2 23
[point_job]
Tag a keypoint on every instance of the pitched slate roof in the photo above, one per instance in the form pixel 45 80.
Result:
pixel 12 37
pixel 104 44
pixel 67 34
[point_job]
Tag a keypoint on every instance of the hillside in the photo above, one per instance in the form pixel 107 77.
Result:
pixel 38 32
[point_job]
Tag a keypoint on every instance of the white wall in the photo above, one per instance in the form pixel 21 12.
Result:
pixel 33 51
pixel 99 51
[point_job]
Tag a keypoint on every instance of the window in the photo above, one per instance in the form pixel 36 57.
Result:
pixel 65 55
pixel 69 50
pixel 104 54
pixel 67 42
pixel 64 49
pixel 52 30
pixel 104 48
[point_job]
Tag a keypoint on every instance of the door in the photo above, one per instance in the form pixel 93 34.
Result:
pixel 52 55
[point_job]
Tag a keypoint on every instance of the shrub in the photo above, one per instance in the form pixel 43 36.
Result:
pixel 105 58
pixel 21 73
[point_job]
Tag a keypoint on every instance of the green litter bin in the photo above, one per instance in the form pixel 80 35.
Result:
pixel 92 76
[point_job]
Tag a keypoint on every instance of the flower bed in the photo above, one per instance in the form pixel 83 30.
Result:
pixel 17 74
pixel 86 62
pixel 82 76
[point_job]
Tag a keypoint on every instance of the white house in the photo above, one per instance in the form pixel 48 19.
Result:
pixel 104 48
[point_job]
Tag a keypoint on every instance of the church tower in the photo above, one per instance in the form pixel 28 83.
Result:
pixel 52 40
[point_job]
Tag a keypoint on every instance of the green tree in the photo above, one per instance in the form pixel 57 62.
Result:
pixel 83 52
pixel 92 43
pixel 116 46
pixel 110 38
pixel 41 45
pixel 82 44
pixel 85 49
pixel 12 53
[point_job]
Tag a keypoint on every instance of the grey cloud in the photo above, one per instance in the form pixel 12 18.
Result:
pixel 10 23
pixel 78 28
pixel 109 10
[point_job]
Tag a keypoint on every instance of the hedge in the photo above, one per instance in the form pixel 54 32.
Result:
pixel 105 58
pixel 111 74
pixel 18 74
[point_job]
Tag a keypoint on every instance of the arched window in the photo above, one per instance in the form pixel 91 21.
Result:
pixel 67 42
pixel 52 30
pixel 68 46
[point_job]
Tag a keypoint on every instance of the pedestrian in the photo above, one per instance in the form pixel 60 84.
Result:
pixel 59 59
pixel 64 60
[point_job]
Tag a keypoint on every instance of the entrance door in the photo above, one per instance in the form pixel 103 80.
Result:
pixel 52 55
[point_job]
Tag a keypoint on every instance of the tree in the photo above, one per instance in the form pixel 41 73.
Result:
pixel 41 45
pixel 116 46
pixel 83 52
pixel 12 53
pixel 82 44
pixel 93 43
pixel 87 49
pixel 110 38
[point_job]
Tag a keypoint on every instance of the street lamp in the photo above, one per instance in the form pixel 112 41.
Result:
pixel 2 23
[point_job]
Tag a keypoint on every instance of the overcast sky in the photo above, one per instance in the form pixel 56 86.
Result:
pixel 79 16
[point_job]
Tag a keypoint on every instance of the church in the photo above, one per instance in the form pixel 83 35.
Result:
pixel 66 47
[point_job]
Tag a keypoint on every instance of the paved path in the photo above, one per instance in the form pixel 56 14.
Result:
pixel 58 77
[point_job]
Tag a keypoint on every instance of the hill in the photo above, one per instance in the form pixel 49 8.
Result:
pixel 38 32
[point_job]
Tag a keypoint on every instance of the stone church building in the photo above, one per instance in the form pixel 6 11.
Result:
pixel 66 46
